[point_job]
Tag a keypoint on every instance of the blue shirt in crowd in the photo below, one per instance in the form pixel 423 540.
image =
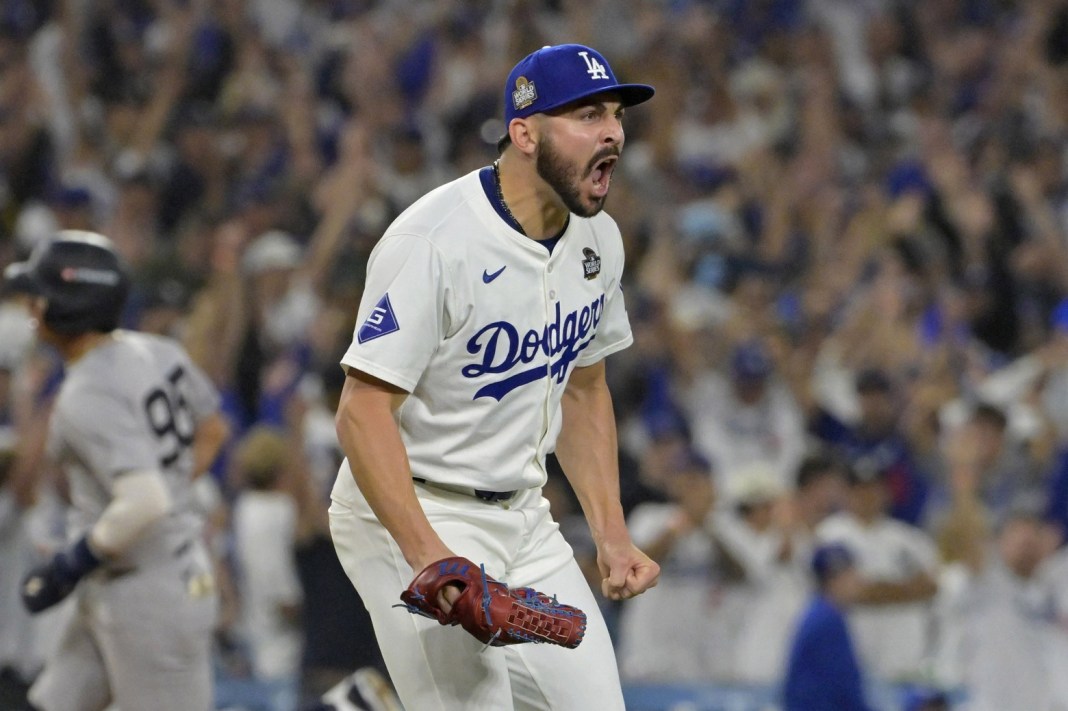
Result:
pixel 823 672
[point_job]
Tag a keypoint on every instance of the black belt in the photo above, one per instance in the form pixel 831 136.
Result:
pixel 477 493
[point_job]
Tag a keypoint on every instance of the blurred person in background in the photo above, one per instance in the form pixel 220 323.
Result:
pixel 646 480
pixel 897 564
pixel 681 646
pixel 820 490
pixel 16 496
pixel 774 546
pixel 760 605
pixel 22 429
pixel 255 324
pixel 337 631
pixel 280 307
pixel 823 669
pixel 877 434
pixel 1050 364
pixel 745 417
pixel 134 423
pixel 1003 630
pixel 265 536
pixel 408 169
pixel 27 146
pixel 983 452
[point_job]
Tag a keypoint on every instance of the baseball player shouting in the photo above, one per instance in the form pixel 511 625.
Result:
pixel 133 421
pixel 489 308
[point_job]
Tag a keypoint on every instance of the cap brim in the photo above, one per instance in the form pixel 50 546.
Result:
pixel 634 94
pixel 629 95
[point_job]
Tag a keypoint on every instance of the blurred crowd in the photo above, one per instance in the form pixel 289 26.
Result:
pixel 846 224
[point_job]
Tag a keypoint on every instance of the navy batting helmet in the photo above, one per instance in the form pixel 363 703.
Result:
pixel 81 276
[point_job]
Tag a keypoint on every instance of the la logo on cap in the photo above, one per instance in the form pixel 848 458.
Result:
pixel 594 68
pixel 524 94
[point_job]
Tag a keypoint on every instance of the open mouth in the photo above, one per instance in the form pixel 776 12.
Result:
pixel 601 174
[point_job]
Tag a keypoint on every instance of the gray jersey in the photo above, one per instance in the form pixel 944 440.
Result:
pixel 131 404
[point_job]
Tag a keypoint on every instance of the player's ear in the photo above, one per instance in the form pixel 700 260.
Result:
pixel 524 134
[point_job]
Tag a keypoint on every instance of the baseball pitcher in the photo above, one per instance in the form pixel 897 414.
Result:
pixel 489 308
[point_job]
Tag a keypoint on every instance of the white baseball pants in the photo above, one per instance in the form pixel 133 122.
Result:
pixel 445 668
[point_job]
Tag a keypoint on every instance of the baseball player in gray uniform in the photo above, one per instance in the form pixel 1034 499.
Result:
pixel 134 420
pixel 489 308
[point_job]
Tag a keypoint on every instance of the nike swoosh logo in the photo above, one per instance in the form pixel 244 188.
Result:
pixel 487 277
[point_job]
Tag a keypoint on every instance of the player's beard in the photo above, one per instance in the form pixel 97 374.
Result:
pixel 564 178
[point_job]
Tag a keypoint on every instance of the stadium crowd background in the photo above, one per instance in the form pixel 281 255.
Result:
pixel 847 233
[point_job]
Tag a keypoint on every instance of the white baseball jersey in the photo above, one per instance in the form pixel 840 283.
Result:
pixel 482 326
pixel 892 640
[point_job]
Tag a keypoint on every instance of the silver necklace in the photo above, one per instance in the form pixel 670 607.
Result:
pixel 500 196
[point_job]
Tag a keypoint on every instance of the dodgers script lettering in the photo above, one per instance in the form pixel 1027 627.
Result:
pixel 503 349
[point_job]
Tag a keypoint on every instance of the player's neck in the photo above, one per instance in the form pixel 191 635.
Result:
pixel 531 201
pixel 73 348
pixel 867 519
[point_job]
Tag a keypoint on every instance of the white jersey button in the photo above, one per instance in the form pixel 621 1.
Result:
pixel 552 294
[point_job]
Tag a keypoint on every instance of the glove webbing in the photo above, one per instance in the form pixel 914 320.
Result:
pixel 537 618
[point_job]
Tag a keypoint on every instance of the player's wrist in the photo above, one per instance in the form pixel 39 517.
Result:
pixel 420 559
pixel 609 528
pixel 77 561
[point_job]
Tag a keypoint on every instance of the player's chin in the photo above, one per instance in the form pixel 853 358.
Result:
pixel 594 207
pixel 593 202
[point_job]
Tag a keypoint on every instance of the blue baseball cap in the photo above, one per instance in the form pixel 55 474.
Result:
pixel 751 362
pixel 829 560
pixel 554 76
pixel 1059 317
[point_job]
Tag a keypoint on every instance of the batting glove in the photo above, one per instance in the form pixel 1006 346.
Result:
pixel 48 584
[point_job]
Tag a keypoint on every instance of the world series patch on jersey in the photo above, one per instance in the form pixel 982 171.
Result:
pixel 591 265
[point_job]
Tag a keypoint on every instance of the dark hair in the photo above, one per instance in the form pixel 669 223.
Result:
pixel 873 380
pixel 992 414
pixel 816 466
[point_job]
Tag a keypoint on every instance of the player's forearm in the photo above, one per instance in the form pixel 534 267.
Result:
pixel 588 452
pixel 381 471
pixel 139 500
pixel 660 547
pixel 371 441
pixel 918 588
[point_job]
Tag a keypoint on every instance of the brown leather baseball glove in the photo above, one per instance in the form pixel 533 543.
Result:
pixel 491 611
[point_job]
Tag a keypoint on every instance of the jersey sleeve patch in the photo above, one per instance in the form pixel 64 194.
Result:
pixel 380 322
